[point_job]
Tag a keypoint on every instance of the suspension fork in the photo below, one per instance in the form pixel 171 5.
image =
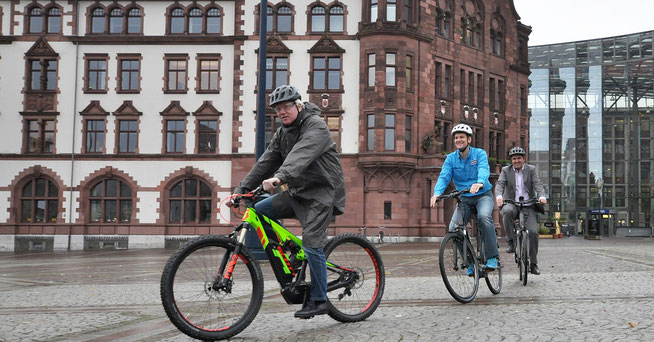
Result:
pixel 228 263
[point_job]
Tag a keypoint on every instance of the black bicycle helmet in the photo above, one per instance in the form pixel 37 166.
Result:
pixel 284 93
pixel 517 151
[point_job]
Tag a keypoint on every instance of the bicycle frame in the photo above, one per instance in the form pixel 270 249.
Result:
pixel 460 225
pixel 294 289
pixel 462 228
pixel 521 229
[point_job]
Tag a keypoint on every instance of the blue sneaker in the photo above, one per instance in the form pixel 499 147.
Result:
pixel 471 271
pixel 491 263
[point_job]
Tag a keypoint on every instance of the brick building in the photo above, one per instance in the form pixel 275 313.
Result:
pixel 125 123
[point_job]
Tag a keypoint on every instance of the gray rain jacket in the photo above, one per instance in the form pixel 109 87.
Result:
pixel 304 156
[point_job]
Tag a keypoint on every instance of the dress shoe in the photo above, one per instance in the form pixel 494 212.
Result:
pixel 534 269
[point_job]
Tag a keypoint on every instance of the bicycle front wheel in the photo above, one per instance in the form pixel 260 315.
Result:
pixel 355 278
pixel 494 278
pixel 524 258
pixel 518 254
pixel 454 269
pixel 191 301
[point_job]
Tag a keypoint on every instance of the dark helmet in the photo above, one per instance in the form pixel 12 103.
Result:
pixel 517 151
pixel 284 93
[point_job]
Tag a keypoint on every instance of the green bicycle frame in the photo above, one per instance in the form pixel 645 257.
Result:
pixel 279 260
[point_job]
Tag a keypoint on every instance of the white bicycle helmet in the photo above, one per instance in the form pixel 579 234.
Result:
pixel 462 128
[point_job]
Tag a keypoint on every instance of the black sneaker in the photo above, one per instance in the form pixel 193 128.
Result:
pixel 312 309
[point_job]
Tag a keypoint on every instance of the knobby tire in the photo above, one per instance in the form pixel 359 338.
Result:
pixel 361 298
pixel 191 303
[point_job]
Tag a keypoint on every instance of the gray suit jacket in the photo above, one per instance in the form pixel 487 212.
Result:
pixel 505 185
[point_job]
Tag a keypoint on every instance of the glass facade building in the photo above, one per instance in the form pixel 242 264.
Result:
pixel 591 110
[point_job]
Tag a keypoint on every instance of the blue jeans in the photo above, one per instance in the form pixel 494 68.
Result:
pixel 484 204
pixel 315 256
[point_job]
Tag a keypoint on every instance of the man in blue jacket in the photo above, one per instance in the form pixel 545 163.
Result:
pixel 468 168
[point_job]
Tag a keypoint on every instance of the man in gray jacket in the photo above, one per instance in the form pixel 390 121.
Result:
pixel 520 180
pixel 302 155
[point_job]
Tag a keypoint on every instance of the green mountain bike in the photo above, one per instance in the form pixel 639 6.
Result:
pixel 212 286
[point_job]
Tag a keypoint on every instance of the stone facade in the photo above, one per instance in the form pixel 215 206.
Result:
pixel 69 97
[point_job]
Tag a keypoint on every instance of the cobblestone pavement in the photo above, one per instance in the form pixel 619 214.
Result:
pixel 588 291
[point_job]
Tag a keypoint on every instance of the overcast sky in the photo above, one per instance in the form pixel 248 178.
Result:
pixel 558 21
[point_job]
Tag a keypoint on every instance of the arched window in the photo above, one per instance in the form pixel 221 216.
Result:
pixel 116 21
pixel 443 23
pixel 497 30
pixel 284 18
pixel 318 19
pixel 134 21
pixel 213 20
pixel 97 21
pixel 177 21
pixel 269 19
pixel 110 202
pixel 54 20
pixel 36 20
pixel 39 201
pixel 496 42
pixel 477 36
pixel 195 21
pixel 189 201
pixel 467 31
pixel 336 19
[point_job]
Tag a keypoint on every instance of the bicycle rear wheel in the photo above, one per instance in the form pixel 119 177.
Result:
pixel 355 278
pixel 191 302
pixel 454 269
pixel 524 258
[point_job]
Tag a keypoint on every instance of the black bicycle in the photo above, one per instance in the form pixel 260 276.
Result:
pixel 212 286
pixel 457 256
pixel 521 241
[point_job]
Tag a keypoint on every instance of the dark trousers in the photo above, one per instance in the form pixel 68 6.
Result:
pixel 509 214
pixel 315 256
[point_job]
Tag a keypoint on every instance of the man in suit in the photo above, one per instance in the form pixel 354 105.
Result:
pixel 520 180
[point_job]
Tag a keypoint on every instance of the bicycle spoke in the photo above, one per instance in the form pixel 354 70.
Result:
pixel 357 276
pixel 191 301
pixel 454 269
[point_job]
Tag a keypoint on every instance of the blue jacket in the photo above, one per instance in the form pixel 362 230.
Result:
pixel 464 173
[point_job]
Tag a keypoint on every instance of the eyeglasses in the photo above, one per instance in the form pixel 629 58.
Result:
pixel 284 107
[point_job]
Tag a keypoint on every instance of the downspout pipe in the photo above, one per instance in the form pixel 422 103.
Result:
pixel 72 152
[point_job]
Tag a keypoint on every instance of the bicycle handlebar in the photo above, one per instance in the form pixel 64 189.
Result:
pixel 453 194
pixel 522 203
pixel 236 199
